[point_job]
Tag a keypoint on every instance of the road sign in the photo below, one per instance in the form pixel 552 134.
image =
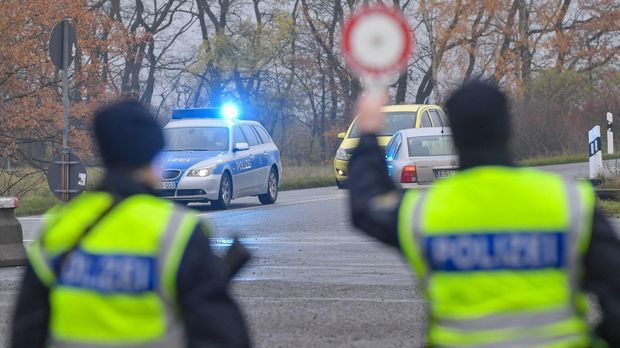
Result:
pixel 63 31
pixel 377 42
pixel 66 177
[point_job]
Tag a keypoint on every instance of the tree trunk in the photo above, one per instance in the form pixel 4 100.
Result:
pixel 147 96
pixel 401 87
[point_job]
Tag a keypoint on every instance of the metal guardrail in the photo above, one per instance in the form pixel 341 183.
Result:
pixel 608 194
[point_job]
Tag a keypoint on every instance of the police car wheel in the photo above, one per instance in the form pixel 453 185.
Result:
pixel 272 189
pixel 223 201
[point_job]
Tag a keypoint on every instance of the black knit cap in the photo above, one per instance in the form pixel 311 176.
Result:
pixel 479 116
pixel 128 135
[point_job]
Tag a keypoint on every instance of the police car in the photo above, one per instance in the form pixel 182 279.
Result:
pixel 210 156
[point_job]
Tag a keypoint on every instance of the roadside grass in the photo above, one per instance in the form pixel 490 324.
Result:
pixel 34 205
pixel 300 176
pixel 611 204
pixel 40 198
pixel 609 183
pixel 307 176
pixel 561 159
pixel 611 208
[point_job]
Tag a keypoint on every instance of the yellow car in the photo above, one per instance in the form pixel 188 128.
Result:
pixel 397 117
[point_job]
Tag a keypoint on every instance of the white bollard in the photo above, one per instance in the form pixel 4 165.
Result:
pixel 596 155
pixel 610 133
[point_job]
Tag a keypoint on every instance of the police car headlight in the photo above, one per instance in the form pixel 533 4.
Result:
pixel 202 171
pixel 342 154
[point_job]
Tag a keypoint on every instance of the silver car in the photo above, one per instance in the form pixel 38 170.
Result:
pixel 210 159
pixel 418 156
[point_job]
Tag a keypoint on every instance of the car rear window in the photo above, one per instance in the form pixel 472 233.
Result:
pixel 431 145
pixel 435 118
pixel 426 121
pixel 393 147
pixel 394 121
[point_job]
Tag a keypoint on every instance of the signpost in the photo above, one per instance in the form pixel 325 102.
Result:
pixel 377 42
pixel 61 49
pixel 595 152
pixel 610 133
pixel 62 46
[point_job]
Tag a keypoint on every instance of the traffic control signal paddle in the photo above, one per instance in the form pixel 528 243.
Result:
pixel 377 42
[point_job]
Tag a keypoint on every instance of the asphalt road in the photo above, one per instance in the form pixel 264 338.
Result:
pixel 581 170
pixel 313 281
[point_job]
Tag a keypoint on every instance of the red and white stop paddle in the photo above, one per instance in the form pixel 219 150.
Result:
pixel 377 42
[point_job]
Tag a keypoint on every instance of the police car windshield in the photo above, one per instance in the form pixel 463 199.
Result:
pixel 196 139
pixel 394 121
pixel 434 145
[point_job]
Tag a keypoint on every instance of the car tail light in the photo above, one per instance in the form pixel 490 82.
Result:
pixel 409 175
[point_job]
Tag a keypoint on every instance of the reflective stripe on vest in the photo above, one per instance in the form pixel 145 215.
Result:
pixel 509 321
pixel 569 340
pixel 171 243
pixel 442 259
pixel 159 344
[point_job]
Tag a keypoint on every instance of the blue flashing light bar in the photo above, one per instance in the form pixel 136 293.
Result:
pixel 227 111
pixel 179 114
pixel 230 111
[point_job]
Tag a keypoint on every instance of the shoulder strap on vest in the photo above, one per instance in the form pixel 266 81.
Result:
pixel 410 210
pixel 172 246
pixel 47 269
pixel 416 224
pixel 58 263
pixel 580 208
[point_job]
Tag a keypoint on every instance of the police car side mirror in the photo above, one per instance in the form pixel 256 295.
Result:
pixel 241 147
pixel 341 135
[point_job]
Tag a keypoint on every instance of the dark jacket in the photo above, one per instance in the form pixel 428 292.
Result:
pixel 374 209
pixel 211 317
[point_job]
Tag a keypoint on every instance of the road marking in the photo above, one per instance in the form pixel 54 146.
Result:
pixel 31 218
pixel 226 244
pixel 274 205
pixel 399 269
pixel 331 299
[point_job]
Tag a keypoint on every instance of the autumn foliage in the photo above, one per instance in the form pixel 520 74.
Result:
pixel 281 60
pixel 30 86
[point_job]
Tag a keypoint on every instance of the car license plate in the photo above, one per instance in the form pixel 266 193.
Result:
pixel 166 185
pixel 443 173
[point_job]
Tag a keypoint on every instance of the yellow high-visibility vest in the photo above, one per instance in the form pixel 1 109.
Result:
pixel 118 286
pixel 497 251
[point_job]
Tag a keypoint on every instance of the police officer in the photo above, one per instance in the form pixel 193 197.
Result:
pixel 503 254
pixel 119 267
